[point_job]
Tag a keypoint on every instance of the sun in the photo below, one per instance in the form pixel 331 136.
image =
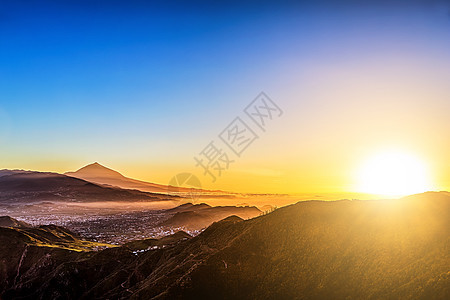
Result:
pixel 393 174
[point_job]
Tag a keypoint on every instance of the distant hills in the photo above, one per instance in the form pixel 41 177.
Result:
pixel 195 217
pixel 91 183
pixel 100 174
pixel 29 187
pixel 393 249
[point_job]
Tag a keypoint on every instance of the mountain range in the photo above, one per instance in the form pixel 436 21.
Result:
pixel 31 187
pixel 100 174
pixel 92 183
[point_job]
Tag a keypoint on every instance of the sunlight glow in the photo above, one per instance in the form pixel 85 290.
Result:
pixel 393 174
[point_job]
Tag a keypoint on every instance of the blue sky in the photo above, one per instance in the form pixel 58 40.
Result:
pixel 130 83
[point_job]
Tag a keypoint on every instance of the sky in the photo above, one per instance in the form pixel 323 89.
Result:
pixel 144 88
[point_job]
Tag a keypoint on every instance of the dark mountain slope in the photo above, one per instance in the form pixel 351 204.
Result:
pixel 6 172
pixel 334 250
pixel 28 254
pixel 6 221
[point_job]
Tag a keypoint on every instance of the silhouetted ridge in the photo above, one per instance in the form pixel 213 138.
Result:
pixel 96 170
pixel 232 219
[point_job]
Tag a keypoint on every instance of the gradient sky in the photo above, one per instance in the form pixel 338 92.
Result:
pixel 144 88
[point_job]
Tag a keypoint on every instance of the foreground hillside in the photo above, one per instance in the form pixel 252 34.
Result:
pixel 334 250
pixel 310 250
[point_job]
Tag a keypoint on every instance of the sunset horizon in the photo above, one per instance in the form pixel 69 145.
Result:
pixel 328 195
